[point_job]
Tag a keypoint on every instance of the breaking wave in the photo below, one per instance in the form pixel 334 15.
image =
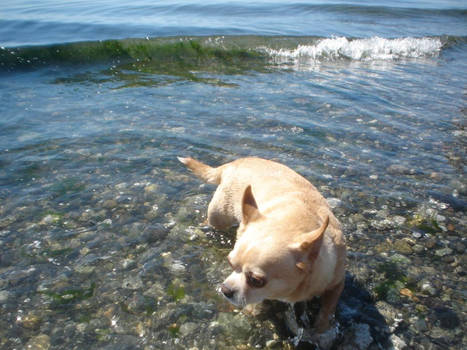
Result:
pixel 358 49
pixel 229 54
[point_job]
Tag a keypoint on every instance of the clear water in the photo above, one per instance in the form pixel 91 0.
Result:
pixel 102 242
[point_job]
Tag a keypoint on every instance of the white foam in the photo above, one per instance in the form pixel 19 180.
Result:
pixel 370 49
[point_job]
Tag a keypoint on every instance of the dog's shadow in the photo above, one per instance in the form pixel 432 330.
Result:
pixel 358 323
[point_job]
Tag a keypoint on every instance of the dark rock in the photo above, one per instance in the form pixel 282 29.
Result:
pixel 448 319
pixel 455 203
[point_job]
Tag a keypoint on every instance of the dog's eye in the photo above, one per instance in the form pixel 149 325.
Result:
pixel 254 281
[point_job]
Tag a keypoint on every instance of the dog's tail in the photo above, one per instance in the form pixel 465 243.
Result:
pixel 204 172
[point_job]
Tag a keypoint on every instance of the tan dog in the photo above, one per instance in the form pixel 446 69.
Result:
pixel 289 244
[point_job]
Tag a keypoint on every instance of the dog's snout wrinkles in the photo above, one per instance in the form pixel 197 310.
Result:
pixel 227 291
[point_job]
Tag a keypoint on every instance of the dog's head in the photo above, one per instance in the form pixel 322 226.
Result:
pixel 266 263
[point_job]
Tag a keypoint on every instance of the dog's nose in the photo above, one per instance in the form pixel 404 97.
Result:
pixel 227 291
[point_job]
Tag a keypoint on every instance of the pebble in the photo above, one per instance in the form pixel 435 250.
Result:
pixel 132 282
pixel 4 295
pixel 39 342
pixel 334 202
pixel 397 342
pixel 50 219
pixel 427 287
pixel 399 259
pixel 398 169
pixel 443 252
pixel 419 324
pixel 152 188
pixel 110 204
pixel 402 246
pixel 128 263
pixel 177 267
pixel 362 334
pixel 30 321
pixel 188 329
pixel 447 318
pixel 430 243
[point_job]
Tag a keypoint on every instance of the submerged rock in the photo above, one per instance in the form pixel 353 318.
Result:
pixel 447 318
pixel 30 321
pixel 132 282
pixel 39 342
pixel 402 246
pixel 4 296
pixel 443 252
pixel 397 342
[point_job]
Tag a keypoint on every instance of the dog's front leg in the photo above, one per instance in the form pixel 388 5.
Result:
pixel 328 307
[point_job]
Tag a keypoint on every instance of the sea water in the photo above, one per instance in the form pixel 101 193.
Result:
pixel 102 236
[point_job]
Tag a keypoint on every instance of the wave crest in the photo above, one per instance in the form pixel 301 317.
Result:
pixel 369 49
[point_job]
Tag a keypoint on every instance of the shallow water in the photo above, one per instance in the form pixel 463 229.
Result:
pixel 102 241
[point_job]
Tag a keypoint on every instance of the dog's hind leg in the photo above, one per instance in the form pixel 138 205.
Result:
pixel 221 211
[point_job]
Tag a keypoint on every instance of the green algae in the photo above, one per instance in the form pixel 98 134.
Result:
pixel 140 63
pixel 67 186
pixel 425 224
pixel 134 62
pixel 394 280
pixel 70 296
pixel 176 291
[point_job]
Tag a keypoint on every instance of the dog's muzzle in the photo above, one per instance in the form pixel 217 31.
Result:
pixel 226 291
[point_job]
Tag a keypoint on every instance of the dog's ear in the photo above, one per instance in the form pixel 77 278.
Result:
pixel 250 210
pixel 309 244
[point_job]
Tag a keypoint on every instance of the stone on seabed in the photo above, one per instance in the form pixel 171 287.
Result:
pixel 39 342
pixel 397 343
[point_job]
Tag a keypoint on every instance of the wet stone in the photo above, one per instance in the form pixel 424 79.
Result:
pixel 334 202
pixel 128 264
pixel 387 311
pixel 139 303
pixel 233 323
pixel 132 282
pixel 428 288
pixel 39 342
pixel 448 259
pixel 110 204
pixel 4 296
pixel 399 259
pixel 459 247
pixel 397 342
pixel 419 324
pixel 358 337
pixel 418 248
pixel 398 169
pixel 430 243
pixel 188 329
pixel 30 321
pixel 447 318
pixel 402 246
pixel 151 188
pixel 443 252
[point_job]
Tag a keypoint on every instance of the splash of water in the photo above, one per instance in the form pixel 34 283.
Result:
pixel 368 49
